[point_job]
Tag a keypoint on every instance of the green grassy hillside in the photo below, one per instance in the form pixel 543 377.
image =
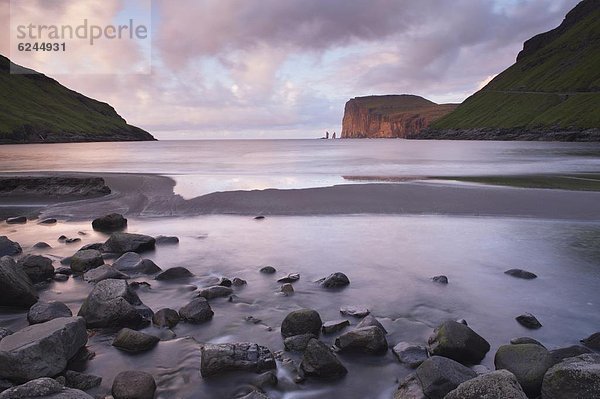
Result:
pixel 35 108
pixel 554 85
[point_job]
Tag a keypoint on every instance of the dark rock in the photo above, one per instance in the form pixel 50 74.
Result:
pixel 109 223
pixel 133 385
pixel 499 384
pixel 139 284
pixel 287 289
pixel 355 311
pixel 370 340
pixel 440 279
pixel 264 380
pixel 8 247
pixel 259 217
pixel 72 240
pixel 103 272
pixel 462 321
pixel 128 261
pixel 84 382
pixel 98 246
pixel 558 355
pixel 166 318
pixel 525 340
pixel 268 270
pixel 297 343
pixel 253 394
pixel 134 341
pixel 38 268
pixel 331 327
pixel 17 220
pixel 410 354
pixel 220 358
pixel 60 277
pixel 85 260
pixel 16 288
pixel 238 282
pixel 216 291
pixel 41 245
pixel 593 341
pixel 197 311
pixel 46 388
pixel 225 282
pixel 369 321
pixel 458 342
pixel 319 361
pixel 62 238
pixel 290 278
pixel 166 240
pixel 575 377
pixel 175 273
pixel 49 221
pixel 42 312
pixel 519 273
pixel 119 243
pixel 335 280
pixel 41 350
pixel 112 303
pixel 66 261
pixel 410 388
pixel 528 320
pixel 4 332
pixel 63 270
pixel 528 362
pixel 439 375
pixel 302 321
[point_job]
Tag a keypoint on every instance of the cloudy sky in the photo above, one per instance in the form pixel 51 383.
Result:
pixel 285 68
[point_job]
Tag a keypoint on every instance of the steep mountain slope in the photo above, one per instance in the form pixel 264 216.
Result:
pixel 389 116
pixel 552 92
pixel 36 109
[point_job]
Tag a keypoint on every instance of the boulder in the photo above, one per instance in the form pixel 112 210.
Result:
pixel 593 341
pixel 85 260
pixel 128 261
pixel 166 318
pixel 175 273
pixel 41 350
pixel 268 270
pixel 355 311
pixel 575 377
pixel 38 268
pixel 439 375
pixel 410 354
pixel 331 327
pixel 16 288
pixel 369 321
pixel 297 343
pixel 167 240
pixel 17 220
pixel 519 273
pixel 319 361
pixel 287 289
pixel 558 355
pixel 335 280
pixel 197 311
pixel 120 243
pixel 440 279
pixel 85 382
pixel 42 312
pixel 410 388
pixel 8 247
pixel 499 384
pixel 103 272
pixel 41 245
pixel 133 385
pixel 134 341
pixel 216 291
pixel 112 303
pixel 458 342
pixel 528 362
pixel 109 223
pixel 220 358
pixel 44 388
pixel 528 320
pixel 302 321
pixel 370 340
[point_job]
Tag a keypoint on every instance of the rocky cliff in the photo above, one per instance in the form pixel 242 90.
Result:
pixel 393 116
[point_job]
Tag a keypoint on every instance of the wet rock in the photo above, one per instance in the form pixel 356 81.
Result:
pixel 38 268
pixel 593 341
pixel 287 289
pixel 120 243
pixel 60 277
pixel 41 245
pixel 72 240
pixel 335 280
pixel 268 270
pixel 49 221
pixel 440 279
pixel 410 354
pixel 103 272
pixel 225 282
pixel 439 375
pixel 8 247
pixel 458 342
pixel 297 343
pixel 4 332
pixel 166 318
pixel 480 369
pixel 528 320
pixel 134 341
pixel 290 278
pixel 128 261
pixel 197 311
pixel 16 288
pixel 43 388
pixel 259 217
pixel 174 273
pixel 215 291
pixel 109 223
pixel 98 246
pixel 133 385
pixel 238 282
pixel 576 377
pixel 220 358
pixel 302 321
pixel 264 380
pixel 41 350
pixel 17 220
pixel 63 270
pixel 369 321
pixel 499 384
pixel 42 312
pixel 410 388
pixel 62 238
pixel 139 285
pixel 85 260
pixel 462 321
pixel 167 240
pixel 112 303
pixel 82 381
pixel 519 273
pixel 558 355
pixel 525 340
pixel 253 394
pixel 319 361
pixel 370 340
pixel 331 327
pixel 355 311
pixel 528 362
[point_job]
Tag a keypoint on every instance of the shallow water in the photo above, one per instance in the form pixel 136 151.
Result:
pixel 389 260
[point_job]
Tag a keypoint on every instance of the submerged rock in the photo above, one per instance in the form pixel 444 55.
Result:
pixel 525 340
pixel 17 220
pixel 109 223
pixel 8 247
pixel 575 377
pixel 439 375
pixel 43 388
pixel 410 354
pixel 528 362
pixel 42 312
pixel 216 291
pixel 370 340
pixel 528 320
pixel 499 384
pixel 238 282
pixel 355 311
pixel 440 279
pixel 458 342
pixel 166 240
pixel 335 280
pixel 220 358
pixel 319 361
pixel 302 321
pixel 331 327
pixel 41 245
pixel 287 289
pixel 519 273
pixel 134 341
pixel 38 268
pixel 16 288
pixel 49 221
pixel 174 273
pixel 166 318
pixel 268 270
pixel 197 311
pixel 120 243
pixel 85 260
pixel 103 272
pixel 133 385
pixel 290 278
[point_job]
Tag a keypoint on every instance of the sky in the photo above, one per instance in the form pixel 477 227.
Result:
pixel 285 68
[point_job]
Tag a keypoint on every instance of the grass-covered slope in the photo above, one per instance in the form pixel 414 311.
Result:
pixel 35 108
pixel 553 87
